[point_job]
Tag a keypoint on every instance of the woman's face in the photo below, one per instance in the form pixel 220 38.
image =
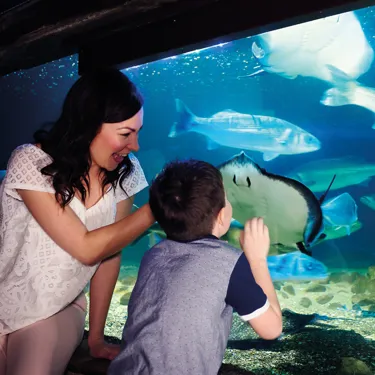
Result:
pixel 115 141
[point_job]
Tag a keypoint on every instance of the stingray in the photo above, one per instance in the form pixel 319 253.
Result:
pixel 291 211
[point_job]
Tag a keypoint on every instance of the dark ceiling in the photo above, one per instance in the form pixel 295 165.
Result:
pixel 37 31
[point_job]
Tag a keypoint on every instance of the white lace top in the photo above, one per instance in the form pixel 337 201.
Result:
pixel 37 277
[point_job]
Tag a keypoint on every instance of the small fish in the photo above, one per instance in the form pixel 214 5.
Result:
pixel 369 201
pixel 340 211
pixel 290 210
pixel 268 135
pixel 296 266
pixel 348 170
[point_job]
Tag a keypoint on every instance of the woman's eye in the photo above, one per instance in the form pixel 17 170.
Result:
pixel 126 135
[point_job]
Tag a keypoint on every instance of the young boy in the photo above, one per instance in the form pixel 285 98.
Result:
pixel 180 311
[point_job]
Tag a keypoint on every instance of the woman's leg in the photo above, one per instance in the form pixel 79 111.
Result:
pixel 3 357
pixel 45 347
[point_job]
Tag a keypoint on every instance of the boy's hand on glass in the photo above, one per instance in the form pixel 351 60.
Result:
pixel 255 239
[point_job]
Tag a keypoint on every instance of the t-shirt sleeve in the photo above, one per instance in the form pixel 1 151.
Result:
pixel 132 184
pixel 23 171
pixel 244 294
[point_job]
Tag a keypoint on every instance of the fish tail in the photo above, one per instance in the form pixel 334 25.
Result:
pixel 343 90
pixel 184 121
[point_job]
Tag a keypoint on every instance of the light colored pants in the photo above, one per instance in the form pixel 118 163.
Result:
pixel 45 347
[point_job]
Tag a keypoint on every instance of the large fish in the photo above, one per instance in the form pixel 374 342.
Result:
pixel 321 48
pixel 317 174
pixel 268 135
pixel 290 210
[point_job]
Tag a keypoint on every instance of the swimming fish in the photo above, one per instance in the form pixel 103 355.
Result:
pixel 296 266
pixel 317 174
pixel 320 48
pixel 290 210
pixel 292 266
pixel 340 211
pixel 269 135
pixel 369 201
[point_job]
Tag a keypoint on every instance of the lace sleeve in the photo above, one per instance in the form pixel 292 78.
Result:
pixel 23 171
pixel 132 184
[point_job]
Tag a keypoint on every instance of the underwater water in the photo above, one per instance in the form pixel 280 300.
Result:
pixel 288 117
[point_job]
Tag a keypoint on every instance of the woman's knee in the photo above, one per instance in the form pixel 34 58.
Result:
pixel 45 348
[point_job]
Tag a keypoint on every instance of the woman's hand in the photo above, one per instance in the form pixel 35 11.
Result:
pixel 100 349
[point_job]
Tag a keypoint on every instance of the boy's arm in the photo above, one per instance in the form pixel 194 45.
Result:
pixel 253 297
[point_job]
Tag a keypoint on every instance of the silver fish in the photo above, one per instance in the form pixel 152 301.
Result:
pixel 269 135
pixel 349 171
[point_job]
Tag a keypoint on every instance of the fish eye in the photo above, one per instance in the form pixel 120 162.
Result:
pixel 248 182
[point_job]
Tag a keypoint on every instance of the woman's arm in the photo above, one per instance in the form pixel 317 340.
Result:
pixel 101 291
pixel 67 230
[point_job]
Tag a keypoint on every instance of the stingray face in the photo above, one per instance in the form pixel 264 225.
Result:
pixel 313 233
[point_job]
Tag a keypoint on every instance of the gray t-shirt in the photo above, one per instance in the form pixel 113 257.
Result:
pixel 180 311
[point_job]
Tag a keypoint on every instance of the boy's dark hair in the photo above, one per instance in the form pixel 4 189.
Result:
pixel 185 199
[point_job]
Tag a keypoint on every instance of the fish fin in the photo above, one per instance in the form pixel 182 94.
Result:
pixel 212 145
pixel 321 199
pixel 268 156
pixel 184 122
pixel 259 71
pixel 343 91
pixel 348 232
pixel 373 126
pixel 303 249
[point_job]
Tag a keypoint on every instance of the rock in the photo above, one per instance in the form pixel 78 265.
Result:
pixel 277 285
pixel 316 288
pixel 290 290
pixel 335 306
pixel 338 277
pixel 284 295
pixel 360 285
pixel 124 300
pixel 353 366
pixel 324 299
pixel 305 302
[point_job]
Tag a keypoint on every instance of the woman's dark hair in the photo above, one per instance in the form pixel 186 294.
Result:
pixel 185 199
pixel 102 96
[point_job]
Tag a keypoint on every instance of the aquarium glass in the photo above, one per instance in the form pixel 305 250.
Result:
pixel 298 102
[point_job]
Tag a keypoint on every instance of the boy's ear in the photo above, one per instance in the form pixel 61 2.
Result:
pixel 220 216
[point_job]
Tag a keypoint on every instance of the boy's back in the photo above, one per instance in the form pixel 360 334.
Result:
pixel 180 311
pixel 179 322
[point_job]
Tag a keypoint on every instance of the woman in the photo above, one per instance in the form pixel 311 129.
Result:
pixel 65 214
